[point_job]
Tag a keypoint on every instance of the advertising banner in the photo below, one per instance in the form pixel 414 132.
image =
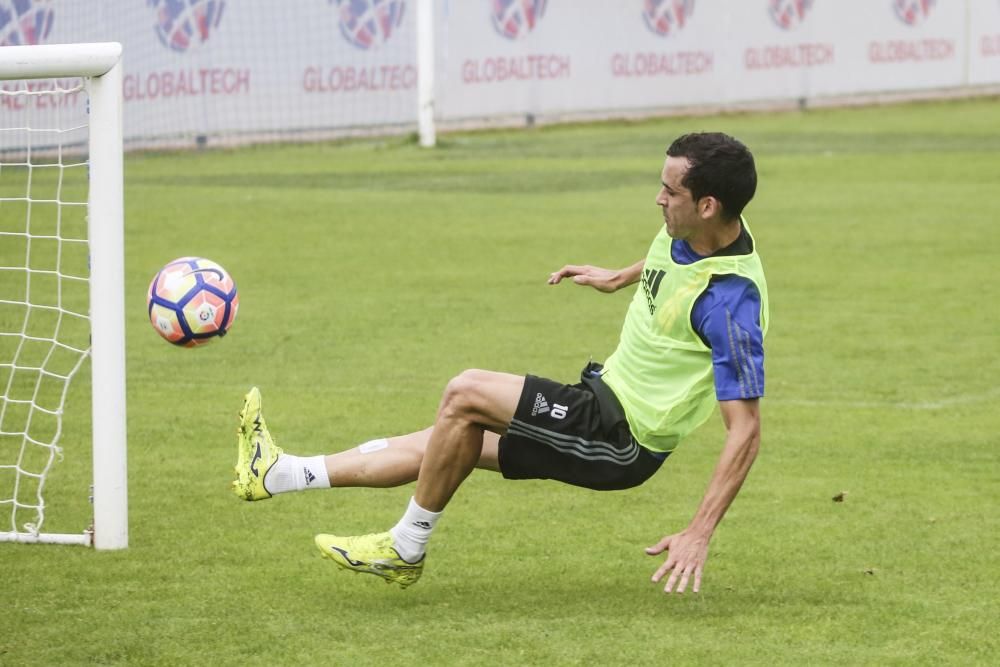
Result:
pixel 222 67
pixel 244 68
pixel 984 42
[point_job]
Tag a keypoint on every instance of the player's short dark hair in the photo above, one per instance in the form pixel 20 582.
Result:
pixel 720 167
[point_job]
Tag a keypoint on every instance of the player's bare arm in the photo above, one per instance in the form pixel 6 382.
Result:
pixel 688 549
pixel 603 280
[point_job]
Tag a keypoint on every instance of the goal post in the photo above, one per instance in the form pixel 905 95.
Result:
pixel 425 73
pixel 99 66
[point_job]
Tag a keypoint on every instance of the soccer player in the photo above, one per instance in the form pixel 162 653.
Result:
pixel 693 336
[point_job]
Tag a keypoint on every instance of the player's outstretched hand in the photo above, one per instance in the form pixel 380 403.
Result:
pixel 603 280
pixel 686 556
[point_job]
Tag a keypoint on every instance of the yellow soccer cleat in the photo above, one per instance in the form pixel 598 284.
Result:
pixel 257 451
pixel 371 554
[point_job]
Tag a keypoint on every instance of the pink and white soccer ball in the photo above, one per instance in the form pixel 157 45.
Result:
pixel 191 301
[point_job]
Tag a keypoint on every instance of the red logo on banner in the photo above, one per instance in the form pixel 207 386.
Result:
pixel 666 16
pixel 27 22
pixel 368 24
pixel 989 46
pixel 896 51
pixel 912 12
pixel 181 25
pixel 788 14
pixel 516 18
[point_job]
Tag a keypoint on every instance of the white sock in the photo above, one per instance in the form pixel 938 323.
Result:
pixel 297 473
pixel 413 531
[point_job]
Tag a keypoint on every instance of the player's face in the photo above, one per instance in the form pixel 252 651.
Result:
pixel 680 212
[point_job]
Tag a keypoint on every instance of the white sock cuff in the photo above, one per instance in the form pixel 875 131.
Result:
pixel 415 511
pixel 314 475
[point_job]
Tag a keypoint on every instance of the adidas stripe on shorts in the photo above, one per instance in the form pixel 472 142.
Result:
pixel 560 432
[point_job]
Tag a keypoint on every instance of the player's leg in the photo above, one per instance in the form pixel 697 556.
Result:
pixel 474 403
pixel 263 469
pixel 393 461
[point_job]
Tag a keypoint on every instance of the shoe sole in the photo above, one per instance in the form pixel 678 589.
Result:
pixel 243 486
pixel 366 568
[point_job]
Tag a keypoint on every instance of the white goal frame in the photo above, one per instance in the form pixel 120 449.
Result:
pixel 99 64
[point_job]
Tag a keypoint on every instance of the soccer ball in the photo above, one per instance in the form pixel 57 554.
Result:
pixel 191 301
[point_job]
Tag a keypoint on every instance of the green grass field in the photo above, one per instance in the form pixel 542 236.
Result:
pixel 371 272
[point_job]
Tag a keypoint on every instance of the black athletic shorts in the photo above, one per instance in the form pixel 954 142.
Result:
pixel 575 434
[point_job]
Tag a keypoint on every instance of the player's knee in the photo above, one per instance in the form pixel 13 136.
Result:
pixel 461 395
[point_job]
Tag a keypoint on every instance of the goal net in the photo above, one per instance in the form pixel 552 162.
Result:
pixel 61 290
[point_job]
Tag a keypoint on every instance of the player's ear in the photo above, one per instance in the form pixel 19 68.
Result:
pixel 709 207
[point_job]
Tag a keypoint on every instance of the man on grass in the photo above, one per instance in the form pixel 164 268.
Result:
pixel 693 335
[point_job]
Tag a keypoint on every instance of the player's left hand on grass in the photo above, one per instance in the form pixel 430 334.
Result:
pixel 686 556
